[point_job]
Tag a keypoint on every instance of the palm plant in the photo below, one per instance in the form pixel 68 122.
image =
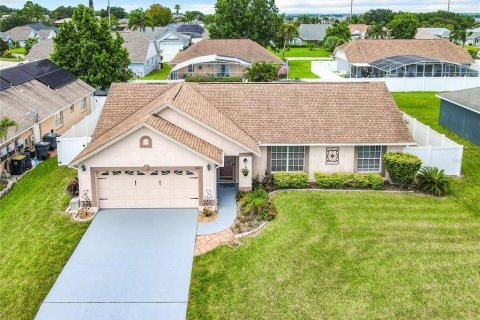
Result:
pixel 287 32
pixel 5 123
pixel 177 8
pixel 376 31
pixel 138 20
pixel 460 35
pixel 434 181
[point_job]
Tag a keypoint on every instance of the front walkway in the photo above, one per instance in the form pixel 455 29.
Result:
pixel 227 210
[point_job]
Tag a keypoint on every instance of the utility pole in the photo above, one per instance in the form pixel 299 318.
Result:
pixel 109 20
pixel 448 7
pixel 351 10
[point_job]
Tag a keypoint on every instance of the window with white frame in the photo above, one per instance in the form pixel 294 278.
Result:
pixel 287 158
pixel 83 104
pixel 59 119
pixel 369 158
pixel 191 68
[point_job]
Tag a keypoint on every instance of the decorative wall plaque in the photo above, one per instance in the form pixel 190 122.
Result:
pixel 333 155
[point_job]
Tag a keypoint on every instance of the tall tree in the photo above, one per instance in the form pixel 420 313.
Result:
pixel 376 31
pixel 403 26
pixel 87 48
pixel 378 15
pixel 257 20
pixel 287 32
pixel 177 8
pixel 90 4
pixel 62 12
pixel 158 15
pixel 137 19
pixel 339 30
pixel 34 11
pixel 460 35
pixel 13 21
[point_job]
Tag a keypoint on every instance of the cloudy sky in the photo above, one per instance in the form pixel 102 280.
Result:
pixel 288 6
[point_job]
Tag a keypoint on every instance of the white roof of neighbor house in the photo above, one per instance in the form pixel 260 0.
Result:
pixel 41 50
pixel 313 32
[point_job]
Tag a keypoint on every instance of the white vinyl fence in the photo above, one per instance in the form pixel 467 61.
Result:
pixel 433 148
pixel 326 70
pixel 72 142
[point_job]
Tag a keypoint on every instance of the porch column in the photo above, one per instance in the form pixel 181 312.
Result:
pixel 245 181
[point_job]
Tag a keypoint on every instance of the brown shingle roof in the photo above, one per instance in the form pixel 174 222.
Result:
pixel 366 51
pixel 358 27
pixel 270 113
pixel 244 49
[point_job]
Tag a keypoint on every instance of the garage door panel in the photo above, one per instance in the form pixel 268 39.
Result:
pixel 148 189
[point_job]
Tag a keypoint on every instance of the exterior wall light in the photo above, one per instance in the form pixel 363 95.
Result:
pixel 245 160
pixel 209 167
pixel 83 168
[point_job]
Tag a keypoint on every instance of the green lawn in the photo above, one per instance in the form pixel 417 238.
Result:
pixel 303 53
pixel 12 59
pixel 36 239
pixel 19 50
pixel 157 74
pixel 301 69
pixel 348 255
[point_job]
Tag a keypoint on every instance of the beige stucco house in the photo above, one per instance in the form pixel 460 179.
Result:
pixel 39 106
pixel 169 145
pixel 220 58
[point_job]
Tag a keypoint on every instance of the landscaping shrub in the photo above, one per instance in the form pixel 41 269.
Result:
pixel 290 180
pixel 473 52
pixel 402 167
pixel 8 54
pixel 256 203
pixel 355 180
pixel 72 188
pixel 204 78
pixel 434 181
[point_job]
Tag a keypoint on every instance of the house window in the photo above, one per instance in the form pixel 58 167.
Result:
pixel 287 158
pixel 83 104
pixel 145 142
pixel 369 158
pixel 191 68
pixel 59 119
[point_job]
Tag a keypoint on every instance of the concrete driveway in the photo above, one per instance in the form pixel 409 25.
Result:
pixel 130 264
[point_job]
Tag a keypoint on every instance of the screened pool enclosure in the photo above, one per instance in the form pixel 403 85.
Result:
pixel 411 66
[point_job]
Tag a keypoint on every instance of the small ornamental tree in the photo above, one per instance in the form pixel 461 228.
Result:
pixel 402 167
pixel 87 48
pixel 29 44
pixel 261 72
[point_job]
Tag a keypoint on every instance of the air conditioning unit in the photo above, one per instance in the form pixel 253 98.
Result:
pixel 19 143
pixel 11 149
pixel 3 154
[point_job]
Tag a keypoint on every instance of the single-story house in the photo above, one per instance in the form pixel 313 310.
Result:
pixel 358 30
pixel 143 53
pixel 40 97
pixel 308 33
pixel 473 37
pixel 424 35
pixel 460 113
pixel 439 33
pixel 6 38
pixel 40 50
pixel 169 145
pixel 364 58
pixel 170 43
pixel 21 34
pixel 219 57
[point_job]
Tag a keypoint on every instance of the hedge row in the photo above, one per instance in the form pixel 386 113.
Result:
pixel 290 180
pixel 354 180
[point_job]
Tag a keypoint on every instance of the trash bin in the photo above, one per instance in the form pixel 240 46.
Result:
pixel 28 160
pixel 18 164
pixel 42 150
pixel 52 138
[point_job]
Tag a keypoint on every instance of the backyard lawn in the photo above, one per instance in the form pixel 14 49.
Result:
pixel 301 69
pixel 303 53
pixel 36 239
pixel 354 255
pixel 19 50
pixel 157 74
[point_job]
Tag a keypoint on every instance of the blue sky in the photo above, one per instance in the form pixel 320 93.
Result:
pixel 288 6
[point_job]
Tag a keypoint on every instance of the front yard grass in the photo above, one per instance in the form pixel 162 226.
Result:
pixel 354 255
pixel 301 69
pixel 19 50
pixel 36 238
pixel 157 74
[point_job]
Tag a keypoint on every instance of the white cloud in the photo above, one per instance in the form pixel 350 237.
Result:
pixel 204 8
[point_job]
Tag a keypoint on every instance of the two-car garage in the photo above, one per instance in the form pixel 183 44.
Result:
pixel 153 188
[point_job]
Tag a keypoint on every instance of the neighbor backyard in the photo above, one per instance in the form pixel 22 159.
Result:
pixel 335 255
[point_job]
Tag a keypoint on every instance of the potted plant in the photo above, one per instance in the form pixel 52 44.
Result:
pixel 245 171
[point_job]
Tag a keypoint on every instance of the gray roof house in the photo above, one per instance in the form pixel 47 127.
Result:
pixel 442 33
pixel 460 113
pixel 473 38
pixel 41 50
pixel 21 34
pixel 143 53
pixel 170 43
pixel 310 32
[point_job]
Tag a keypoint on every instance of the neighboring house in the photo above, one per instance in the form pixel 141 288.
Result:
pixel 40 50
pixel 219 57
pixel 440 33
pixel 473 37
pixel 143 53
pixel 21 34
pixel 424 35
pixel 194 30
pixel 169 145
pixel 403 58
pixel 170 43
pixel 43 31
pixel 358 31
pixel 6 38
pixel 309 33
pixel 40 97
pixel 460 113
pixel 62 21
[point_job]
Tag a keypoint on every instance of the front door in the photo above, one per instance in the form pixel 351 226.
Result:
pixel 227 172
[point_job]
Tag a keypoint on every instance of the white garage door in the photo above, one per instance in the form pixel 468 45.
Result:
pixel 148 189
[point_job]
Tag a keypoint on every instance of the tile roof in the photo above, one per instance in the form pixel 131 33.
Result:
pixel 312 31
pixel 366 51
pixel 468 98
pixel 244 49
pixel 251 113
pixel 40 50
pixel 33 96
